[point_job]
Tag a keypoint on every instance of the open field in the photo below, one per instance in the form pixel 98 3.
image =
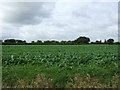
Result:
pixel 71 66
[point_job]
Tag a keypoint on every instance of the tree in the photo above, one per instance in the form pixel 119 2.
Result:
pixel 53 42
pixel 47 42
pixel 69 42
pixel 10 41
pixel 32 42
pixel 82 40
pixel 98 42
pixel 105 41
pixel 117 43
pixel 20 42
pixel 63 42
pixel 110 41
pixel 39 42
pixel 24 41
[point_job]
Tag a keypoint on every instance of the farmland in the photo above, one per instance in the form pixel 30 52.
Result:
pixel 70 66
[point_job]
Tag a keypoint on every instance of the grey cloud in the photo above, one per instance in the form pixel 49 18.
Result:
pixel 28 12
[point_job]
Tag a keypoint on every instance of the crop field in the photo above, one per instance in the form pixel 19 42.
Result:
pixel 60 66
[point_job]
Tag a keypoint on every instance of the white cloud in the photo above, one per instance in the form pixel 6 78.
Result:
pixel 59 21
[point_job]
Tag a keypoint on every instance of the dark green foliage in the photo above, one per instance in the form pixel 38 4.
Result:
pixel 110 41
pixel 82 40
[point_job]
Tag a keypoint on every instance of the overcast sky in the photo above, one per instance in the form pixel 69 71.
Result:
pixel 59 21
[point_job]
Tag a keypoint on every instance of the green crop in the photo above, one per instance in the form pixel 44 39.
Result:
pixel 60 62
pixel 62 56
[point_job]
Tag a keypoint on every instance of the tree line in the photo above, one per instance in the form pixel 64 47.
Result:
pixel 79 41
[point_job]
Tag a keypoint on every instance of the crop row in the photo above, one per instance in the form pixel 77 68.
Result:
pixel 61 60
